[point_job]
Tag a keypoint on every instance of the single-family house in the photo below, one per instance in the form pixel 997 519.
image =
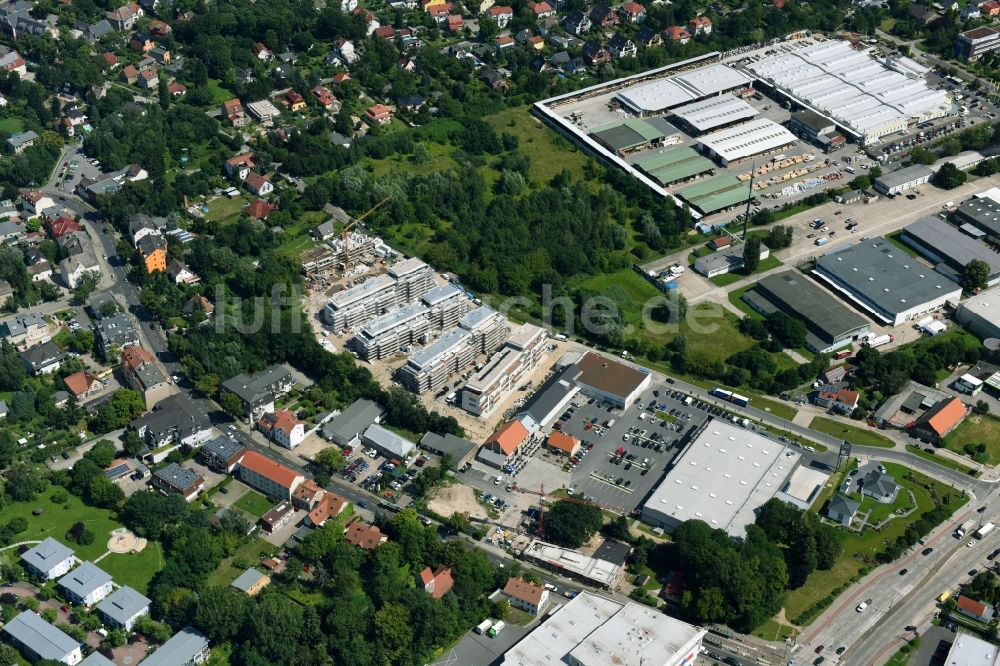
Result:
pixel 880 487
pixel 622 47
pixel 365 536
pixel 282 427
pixel 222 454
pixel 648 37
pixel 632 12
pixel 525 596
pixel 842 509
pixel 577 23
pixel 251 582
pixel 263 53
pixel 232 110
pixel 595 53
pixel 378 114
pixel 542 10
pixel 842 400
pixel 700 25
pixel 259 184
pixel 83 384
pixel 602 16
pixel 939 420
pixel 124 17
pixel 977 610
pixel 42 359
pixel 436 583
pixel 239 166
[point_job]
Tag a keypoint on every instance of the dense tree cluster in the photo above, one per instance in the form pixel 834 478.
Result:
pixel 807 543
pixel 572 523
pixel 887 373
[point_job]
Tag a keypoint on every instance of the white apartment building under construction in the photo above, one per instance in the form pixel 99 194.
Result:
pixel 405 282
pixel 505 371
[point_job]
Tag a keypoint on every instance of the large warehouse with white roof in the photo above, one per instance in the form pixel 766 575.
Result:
pixel 722 477
pixel 657 97
pixel 865 97
pixel 714 112
pixel 746 140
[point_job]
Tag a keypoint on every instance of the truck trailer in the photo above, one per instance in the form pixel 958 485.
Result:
pixel 878 341
pixel 984 530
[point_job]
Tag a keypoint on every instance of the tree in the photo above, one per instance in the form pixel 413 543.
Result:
pixel 124 406
pixel 975 275
pixel 949 176
pixel 921 155
pixel 571 524
pixel 8 655
pixel 88 283
pixel 330 459
pixel 220 613
pixel 102 453
pixel 751 254
pixel 231 403
pixel 79 534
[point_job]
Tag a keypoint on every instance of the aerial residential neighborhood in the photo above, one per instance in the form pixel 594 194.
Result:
pixel 442 333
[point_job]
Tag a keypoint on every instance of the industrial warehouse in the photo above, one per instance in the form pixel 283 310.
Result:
pixel 830 325
pixel 883 281
pixel 946 246
pixel 695 130
pixel 865 97
pixel 722 477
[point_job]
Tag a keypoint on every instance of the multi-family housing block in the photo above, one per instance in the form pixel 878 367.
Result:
pixel 505 371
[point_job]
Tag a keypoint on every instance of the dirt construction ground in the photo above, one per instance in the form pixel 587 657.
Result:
pixel 458 498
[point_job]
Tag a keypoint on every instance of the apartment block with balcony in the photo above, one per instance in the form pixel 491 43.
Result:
pixel 428 368
pixel 389 334
pixel 505 371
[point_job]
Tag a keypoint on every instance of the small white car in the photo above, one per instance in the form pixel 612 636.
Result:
pixel 971 543
pixel 862 606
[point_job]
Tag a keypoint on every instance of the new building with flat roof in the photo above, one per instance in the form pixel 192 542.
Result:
pixel 591 630
pixel 746 140
pixel 429 367
pixel 658 96
pixel 942 243
pixel 354 306
pixel 903 179
pixel 504 371
pixel 816 129
pixel 725 260
pixel 446 305
pixel 866 98
pixel 574 564
pixel 388 334
pixel 713 113
pixel 413 279
pixel 721 477
pixel 221 454
pixel 969 650
pixel 980 314
pixel 37 639
pixel 829 323
pixel 889 285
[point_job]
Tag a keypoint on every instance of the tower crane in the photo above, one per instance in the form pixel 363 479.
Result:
pixel 345 234
pixel 541 504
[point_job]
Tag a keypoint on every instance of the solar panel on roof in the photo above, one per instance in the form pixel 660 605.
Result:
pixel 117 470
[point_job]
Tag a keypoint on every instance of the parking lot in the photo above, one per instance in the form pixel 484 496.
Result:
pixel 627 453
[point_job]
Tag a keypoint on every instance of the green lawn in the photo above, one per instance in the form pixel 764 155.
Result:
pixel 877 511
pixel 549 152
pixel 779 409
pixel 219 94
pixel 727 279
pixel 669 418
pixel 856 435
pixel 977 429
pixel 135 569
pixel 222 209
pixel 718 338
pixel 940 460
pixel 11 125
pixel 254 503
pixel 772 631
pixel 821 583
pixel 249 554
pixel 896 240
pixel 55 520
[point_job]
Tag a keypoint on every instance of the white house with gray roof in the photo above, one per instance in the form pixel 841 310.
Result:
pixel 123 607
pixel 49 559
pixel 37 640
pixel 87 584
pixel 187 647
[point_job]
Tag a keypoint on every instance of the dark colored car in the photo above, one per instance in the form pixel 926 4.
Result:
pixel 927 551
pixel 820 649
pixel 903 572
pixel 910 627
pixel 841 649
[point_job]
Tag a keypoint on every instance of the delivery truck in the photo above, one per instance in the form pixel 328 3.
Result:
pixel 964 528
pixel 984 530
pixel 483 626
pixel 496 629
